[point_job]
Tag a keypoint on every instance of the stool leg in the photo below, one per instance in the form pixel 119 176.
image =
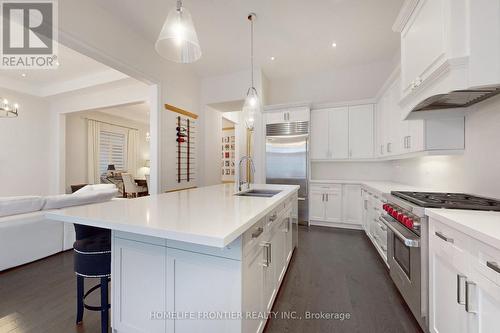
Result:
pixel 79 299
pixel 104 305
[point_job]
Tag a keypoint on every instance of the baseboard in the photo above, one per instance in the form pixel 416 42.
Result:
pixel 336 225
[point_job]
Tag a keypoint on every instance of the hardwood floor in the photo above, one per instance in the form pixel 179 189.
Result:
pixel 41 298
pixel 334 270
pixel 339 271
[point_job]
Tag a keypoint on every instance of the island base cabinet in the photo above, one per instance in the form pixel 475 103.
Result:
pixel 215 284
pixel 160 289
pixel 138 287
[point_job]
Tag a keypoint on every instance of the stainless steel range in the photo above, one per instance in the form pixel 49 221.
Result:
pixel 408 241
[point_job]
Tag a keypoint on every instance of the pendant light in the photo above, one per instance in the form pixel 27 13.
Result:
pixel 252 101
pixel 8 110
pixel 178 40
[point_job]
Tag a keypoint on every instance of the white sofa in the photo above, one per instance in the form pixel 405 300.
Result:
pixel 26 235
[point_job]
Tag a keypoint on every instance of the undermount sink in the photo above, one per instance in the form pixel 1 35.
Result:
pixel 258 193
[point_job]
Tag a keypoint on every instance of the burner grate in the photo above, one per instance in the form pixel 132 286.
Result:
pixel 449 200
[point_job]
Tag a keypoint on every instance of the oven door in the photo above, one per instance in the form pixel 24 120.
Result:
pixel 403 256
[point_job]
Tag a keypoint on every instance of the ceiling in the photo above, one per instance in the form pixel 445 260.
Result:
pixel 136 112
pixel 72 66
pixel 298 33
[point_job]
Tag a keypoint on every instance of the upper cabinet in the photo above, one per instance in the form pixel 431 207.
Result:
pixel 397 137
pixel 446 45
pixel 423 46
pixel 342 133
pixel 286 115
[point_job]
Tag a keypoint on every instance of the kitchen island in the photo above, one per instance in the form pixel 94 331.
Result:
pixel 200 260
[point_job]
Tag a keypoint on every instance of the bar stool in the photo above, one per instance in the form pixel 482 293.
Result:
pixel 92 256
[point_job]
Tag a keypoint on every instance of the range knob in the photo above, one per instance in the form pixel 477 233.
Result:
pixel 409 222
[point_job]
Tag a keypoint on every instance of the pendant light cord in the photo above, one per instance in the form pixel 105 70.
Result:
pixel 250 17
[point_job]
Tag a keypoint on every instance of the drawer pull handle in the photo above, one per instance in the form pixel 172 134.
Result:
pixel 460 285
pixel 443 237
pixel 257 232
pixel 469 307
pixel 273 218
pixel 493 265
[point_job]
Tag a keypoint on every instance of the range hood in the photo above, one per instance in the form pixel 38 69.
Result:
pixel 457 99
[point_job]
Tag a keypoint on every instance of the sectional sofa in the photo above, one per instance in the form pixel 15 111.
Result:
pixel 27 235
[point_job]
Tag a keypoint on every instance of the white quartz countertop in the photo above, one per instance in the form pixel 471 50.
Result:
pixel 211 215
pixel 481 225
pixel 382 187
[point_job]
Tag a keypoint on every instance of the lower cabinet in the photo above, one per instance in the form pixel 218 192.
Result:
pixel 157 283
pixel 464 282
pixel 335 205
pixel 375 230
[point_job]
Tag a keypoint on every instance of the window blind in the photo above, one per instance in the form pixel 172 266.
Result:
pixel 112 150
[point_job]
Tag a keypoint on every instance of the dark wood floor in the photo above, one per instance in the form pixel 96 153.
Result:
pixel 334 270
pixel 41 298
pixel 339 271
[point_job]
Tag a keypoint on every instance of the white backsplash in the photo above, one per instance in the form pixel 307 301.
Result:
pixel 351 170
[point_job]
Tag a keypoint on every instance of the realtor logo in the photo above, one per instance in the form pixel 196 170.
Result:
pixel 28 34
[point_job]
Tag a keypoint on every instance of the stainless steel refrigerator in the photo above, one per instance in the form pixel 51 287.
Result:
pixel 287 159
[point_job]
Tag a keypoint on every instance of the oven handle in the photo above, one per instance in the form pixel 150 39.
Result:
pixel 407 241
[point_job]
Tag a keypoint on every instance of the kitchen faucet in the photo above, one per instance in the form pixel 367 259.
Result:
pixel 252 171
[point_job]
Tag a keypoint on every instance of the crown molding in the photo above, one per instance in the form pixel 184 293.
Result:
pixel 404 15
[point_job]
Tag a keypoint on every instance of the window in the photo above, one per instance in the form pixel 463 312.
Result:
pixel 112 150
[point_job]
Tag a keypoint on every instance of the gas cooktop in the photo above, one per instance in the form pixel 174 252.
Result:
pixel 448 200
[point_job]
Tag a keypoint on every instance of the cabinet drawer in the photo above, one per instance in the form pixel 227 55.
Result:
pixel 326 187
pixel 450 243
pixel 486 261
pixel 253 236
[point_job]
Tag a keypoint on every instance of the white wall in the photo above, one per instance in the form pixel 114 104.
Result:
pixel 351 170
pixel 76 144
pixel 111 40
pixel 476 171
pixel 228 88
pixel 343 84
pixel 26 149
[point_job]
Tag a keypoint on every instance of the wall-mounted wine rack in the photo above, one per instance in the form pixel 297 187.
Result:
pixel 185 142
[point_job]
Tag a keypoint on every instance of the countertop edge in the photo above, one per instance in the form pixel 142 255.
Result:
pixel 469 231
pixel 219 242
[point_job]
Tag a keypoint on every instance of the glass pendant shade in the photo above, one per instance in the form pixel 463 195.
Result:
pixel 251 107
pixel 178 40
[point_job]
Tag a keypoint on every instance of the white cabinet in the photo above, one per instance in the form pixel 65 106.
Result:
pixel 351 204
pixel 342 133
pixel 330 134
pixel 336 205
pixel 397 137
pixel 215 284
pixel 320 148
pixel 423 43
pixel 361 131
pixel 464 282
pixel 139 273
pixel 287 115
pixel 253 282
pixel 338 140
pixel 326 203
pixel 375 230
pixel 333 206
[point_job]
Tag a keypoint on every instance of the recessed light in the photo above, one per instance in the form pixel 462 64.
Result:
pixel 334 44
pixel 23 74
pixel 273 58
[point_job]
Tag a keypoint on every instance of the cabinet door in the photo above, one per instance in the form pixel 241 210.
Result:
pixel 278 250
pixel 316 205
pixel 275 117
pixel 139 274
pixel 333 206
pixel 446 314
pixel 298 114
pixel 319 135
pixel 351 204
pixel 423 42
pixel 415 141
pixel 214 282
pixel 339 133
pixel 270 276
pixel 288 238
pixel 487 306
pixel 361 131
pixel 253 283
